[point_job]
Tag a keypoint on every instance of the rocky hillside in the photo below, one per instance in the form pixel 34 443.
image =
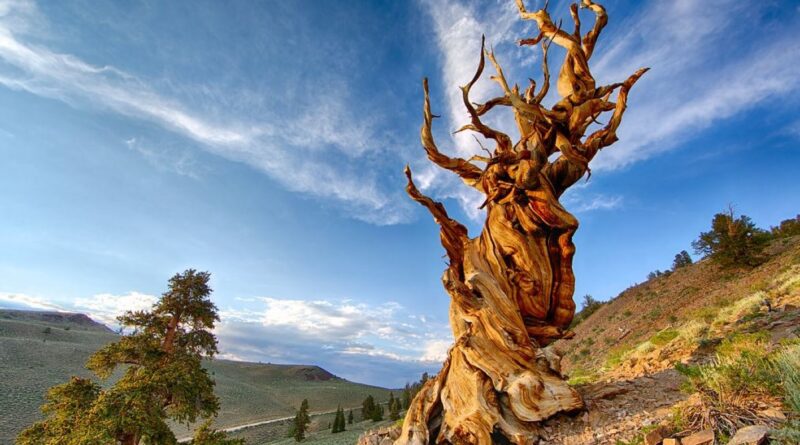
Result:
pixel 691 303
pixel 717 327
pixel 700 356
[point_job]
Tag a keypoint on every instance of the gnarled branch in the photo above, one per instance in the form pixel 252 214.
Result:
pixel 468 172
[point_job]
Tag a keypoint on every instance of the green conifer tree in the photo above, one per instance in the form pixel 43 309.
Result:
pixel 162 380
pixel 377 413
pixel 368 408
pixel 301 421
pixel 394 408
pixel 732 241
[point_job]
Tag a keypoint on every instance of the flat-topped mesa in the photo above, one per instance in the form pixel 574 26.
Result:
pixel 511 287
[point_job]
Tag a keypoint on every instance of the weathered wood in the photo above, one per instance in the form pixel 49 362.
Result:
pixel 511 287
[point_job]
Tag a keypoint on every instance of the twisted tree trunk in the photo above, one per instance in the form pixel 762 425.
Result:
pixel 511 287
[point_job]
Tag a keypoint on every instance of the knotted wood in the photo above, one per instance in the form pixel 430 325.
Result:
pixel 511 287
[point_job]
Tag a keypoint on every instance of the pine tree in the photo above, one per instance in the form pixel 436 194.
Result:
pixel 391 405
pixel 682 259
pixel 377 413
pixel 368 408
pixel 732 241
pixel 787 228
pixel 301 420
pixel 394 408
pixel 406 397
pixel 163 378
pixel 350 417
pixel 338 421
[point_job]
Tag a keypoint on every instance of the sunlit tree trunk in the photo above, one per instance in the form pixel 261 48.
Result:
pixel 511 287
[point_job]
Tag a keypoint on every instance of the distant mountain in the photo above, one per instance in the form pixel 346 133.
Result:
pixel 40 349
pixel 59 319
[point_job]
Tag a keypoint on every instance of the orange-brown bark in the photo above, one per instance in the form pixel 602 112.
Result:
pixel 511 287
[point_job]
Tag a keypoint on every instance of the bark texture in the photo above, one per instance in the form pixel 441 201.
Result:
pixel 511 287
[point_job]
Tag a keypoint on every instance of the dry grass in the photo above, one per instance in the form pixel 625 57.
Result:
pixel 745 378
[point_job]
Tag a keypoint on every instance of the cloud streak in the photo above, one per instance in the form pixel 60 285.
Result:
pixel 708 69
pixel 293 148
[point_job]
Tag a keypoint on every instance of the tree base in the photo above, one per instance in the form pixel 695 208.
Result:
pixel 480 399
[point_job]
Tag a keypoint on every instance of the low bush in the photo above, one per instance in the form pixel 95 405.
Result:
pixel 664 337
pixel 744 376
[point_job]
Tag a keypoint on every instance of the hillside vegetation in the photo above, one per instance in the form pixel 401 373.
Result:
pixel 42 349
pixel 696 302
pixel 705 349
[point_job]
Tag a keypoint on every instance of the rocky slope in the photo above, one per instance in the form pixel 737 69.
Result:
pixel 623 357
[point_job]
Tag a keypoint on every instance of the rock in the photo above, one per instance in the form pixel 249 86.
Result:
pixel 653 437
pixel 609 392
pixel 381 436
pixel 772 413
pixel 705 437
pixel 750 435
pixel 671 441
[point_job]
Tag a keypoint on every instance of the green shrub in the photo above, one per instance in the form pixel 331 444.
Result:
pixel 744 371
pixel 580 376
pixel 664 337
pixel 787 228
pixel 654 314
pixel 788 363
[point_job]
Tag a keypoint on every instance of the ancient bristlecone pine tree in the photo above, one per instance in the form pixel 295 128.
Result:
pixel 511 287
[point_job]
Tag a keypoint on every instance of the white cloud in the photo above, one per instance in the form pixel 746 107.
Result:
pixel 708 68
pixel 103 308
pixel 343 322
pixel 286 146
pixel 24 301
pixel 436 350
pixel 106 307
pixel 374 344
pixel 178 161
pixel 586 202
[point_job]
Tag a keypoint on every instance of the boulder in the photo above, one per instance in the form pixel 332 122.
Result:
pixel 705 437
pixel 750 435
pixel 671 441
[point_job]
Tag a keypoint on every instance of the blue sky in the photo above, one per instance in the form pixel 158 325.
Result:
pixel 265 142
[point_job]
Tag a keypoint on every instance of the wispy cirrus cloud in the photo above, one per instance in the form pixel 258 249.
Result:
pixel 710 61
pixel 292 146
pixel 178 161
